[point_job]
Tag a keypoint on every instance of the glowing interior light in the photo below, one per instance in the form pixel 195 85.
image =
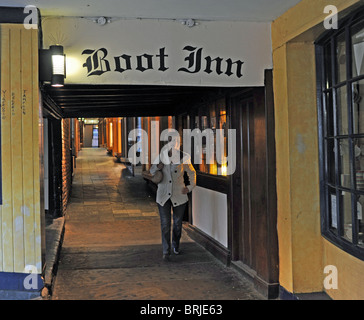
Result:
pixel 224 170
pixel 58 64
pixel 111 136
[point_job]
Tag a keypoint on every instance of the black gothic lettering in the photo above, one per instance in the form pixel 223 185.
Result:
pixel 148 58
pixel 239 65
pixel 209 63
pixel 96 64
pixel 127 60
pixel 162 56
pixel 194 59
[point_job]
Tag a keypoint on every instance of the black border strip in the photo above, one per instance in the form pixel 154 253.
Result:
pixel 12 15
pixel 1 158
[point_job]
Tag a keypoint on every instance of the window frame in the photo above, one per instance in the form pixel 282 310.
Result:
pixel 204 110
pixel 328 39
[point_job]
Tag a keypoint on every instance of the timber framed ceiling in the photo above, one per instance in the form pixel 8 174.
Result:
pixel 98 101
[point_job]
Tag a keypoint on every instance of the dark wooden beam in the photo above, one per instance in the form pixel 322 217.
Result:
pixel 13 15
pixel 117 113
pixel 102 94
pixel 120 105
pixel 125 102
pixel 50 107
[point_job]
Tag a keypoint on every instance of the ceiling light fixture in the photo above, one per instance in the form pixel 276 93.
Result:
pixel 101 20
pixel 189 23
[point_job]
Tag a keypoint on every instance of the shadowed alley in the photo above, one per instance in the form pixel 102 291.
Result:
pixel 112 244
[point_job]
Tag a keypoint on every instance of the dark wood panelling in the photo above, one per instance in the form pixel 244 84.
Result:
pixel 50 108
pixel 210 244
pixel 249 181
pixel 127 100
pixel 271 190
pixel 215 183
pixel 259 187
pixel 235 199
pixel 254 242
pixel 55 167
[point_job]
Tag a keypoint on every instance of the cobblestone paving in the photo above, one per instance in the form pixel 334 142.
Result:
pixel 112 246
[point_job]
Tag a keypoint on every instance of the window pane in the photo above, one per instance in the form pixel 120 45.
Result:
pixel 332 209
pixel 197 122
pixel 341 58
pixel 196 125
pixel 360 207
pixel 329 115
pixel 360 179
pixel 357 41
pixel 345 163
pixel 212 117
pixel 330 151
pixel 204 125
pixel 223 126
pixel 328 71
pixel 346 210
pixel 212 111
pixel 358 107
pixel 342 110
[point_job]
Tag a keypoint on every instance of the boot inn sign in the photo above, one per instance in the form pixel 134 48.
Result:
pixel 98 63
pixel 146 52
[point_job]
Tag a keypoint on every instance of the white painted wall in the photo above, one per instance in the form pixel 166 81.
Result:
pixel 209 213
pixel 249 42
pixel 228 10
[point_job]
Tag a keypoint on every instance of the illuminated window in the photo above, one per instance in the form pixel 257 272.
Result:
pixel 119 135
pixel 212 117
pixel 111 135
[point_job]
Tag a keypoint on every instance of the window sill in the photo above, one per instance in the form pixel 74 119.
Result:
pixel 213 182
pixel 344 245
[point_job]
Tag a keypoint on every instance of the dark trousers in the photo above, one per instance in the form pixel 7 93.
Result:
pixel 165 217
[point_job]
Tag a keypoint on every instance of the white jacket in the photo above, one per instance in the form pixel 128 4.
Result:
pixel 173 180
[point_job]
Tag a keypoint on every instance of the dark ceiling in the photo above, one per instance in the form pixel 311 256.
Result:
pixel 90 101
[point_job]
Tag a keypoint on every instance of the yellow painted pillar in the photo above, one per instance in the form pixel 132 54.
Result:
pixel 300 244
pixel 20 211
pixel 303 252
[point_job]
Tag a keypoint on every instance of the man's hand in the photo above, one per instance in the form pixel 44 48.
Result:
pixel 160 166
pixel 185 190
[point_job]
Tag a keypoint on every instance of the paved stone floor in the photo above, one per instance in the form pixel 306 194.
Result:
pixel 112 245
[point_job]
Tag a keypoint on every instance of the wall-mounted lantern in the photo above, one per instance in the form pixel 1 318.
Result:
pixel 52 65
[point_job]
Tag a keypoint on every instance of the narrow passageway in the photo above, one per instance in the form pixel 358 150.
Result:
pixel 112 244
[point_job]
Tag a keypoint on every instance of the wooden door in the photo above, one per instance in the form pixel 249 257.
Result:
pixel 253 197
pixel 242 214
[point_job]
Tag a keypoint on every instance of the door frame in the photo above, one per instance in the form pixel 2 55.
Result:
pixel 254 247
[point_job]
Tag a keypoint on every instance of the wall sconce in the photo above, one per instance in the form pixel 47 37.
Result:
pixel 52 65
